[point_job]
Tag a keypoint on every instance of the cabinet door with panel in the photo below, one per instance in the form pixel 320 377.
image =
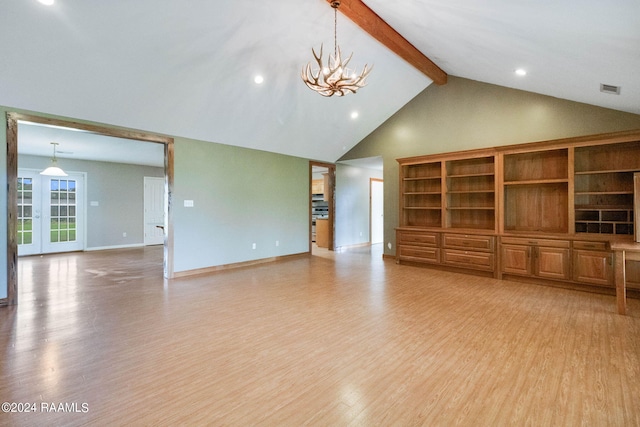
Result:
pixel 592 267
pixel 592 263
pixel 551 263
pixel 544 258
pixel 516 259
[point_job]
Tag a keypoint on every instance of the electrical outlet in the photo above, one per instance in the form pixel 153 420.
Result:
pixel 253 246
pixel 124 234
pixel 277 242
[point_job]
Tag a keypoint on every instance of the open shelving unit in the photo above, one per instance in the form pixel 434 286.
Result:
pixel 536 188
pixel 470 193
pixel 603 188
pixel 422 195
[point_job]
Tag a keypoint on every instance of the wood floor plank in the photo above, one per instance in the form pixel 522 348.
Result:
pixel 334 339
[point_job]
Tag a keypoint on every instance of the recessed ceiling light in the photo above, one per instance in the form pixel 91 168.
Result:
pixel 46 2
pixel 521 72
pixel 354 115
pixel 258 79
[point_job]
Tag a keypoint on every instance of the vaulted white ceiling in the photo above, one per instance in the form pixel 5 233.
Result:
pixel 187 68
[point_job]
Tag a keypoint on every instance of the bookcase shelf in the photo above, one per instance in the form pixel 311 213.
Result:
pixel 536 167
pixel 421 189
pixel 470 193
pixel 536 185
pixel 537 181
pixel 603 188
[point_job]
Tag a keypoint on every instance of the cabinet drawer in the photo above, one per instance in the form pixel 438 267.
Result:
pixel 532 241
pixel 417 238
pixel 468 241
pixel 419 254
pixel 468 259
pixel 591 246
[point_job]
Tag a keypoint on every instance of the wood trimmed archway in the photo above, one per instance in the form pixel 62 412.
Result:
pixel 12 191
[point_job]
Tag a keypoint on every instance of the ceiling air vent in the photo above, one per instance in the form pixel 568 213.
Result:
pixel 615 90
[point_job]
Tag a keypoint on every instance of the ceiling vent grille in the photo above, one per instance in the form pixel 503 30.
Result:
pixel 615 90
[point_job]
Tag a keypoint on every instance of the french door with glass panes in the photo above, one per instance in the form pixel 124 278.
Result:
pixel 50 213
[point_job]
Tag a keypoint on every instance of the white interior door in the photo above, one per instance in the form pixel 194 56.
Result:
pixel 153 210
pixel 377 211
pixel 50 213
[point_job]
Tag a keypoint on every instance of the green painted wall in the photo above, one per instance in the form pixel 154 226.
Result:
pixel 240 197
pixel 465 114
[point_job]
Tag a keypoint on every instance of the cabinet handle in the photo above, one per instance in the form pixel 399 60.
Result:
pixel 528 252
pixel 533 242
pixel 610 259
pixel 535 252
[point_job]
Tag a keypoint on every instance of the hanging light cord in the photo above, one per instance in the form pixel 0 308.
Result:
pixel 335 5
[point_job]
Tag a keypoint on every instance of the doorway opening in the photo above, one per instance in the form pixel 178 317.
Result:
pixel 376 211
pixel 321 206
pixel 13 226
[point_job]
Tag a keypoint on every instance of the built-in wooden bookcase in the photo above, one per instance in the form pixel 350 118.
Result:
pixel 470 193
pixel 536 190
pixel 603 188
pixel 421 190
pixel 545 211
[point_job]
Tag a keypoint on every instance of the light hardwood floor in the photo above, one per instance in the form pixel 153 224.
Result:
pixel 334 339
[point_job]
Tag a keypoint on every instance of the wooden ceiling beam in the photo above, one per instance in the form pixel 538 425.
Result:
pixel 369 21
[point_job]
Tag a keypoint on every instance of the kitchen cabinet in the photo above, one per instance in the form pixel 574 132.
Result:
pixel 322 232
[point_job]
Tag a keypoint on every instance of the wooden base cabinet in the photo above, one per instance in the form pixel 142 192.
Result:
pixel 592 263
pixel 469 251
pixel 418 246
pixel 544 258
pixel 463 251
pixel 322 232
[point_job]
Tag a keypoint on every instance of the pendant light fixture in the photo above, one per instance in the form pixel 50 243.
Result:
pixel 335 78
pixel 54 170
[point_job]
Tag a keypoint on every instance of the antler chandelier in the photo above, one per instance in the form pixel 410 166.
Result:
pixel 334 78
